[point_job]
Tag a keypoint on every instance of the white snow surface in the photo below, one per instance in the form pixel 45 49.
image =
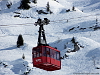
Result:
pixel 58 34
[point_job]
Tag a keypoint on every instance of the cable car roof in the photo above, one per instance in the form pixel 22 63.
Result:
pixel 48 47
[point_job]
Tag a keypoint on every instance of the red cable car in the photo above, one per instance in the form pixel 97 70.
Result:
pixel 44 56
pixel 47 58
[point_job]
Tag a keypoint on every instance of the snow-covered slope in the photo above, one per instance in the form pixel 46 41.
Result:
pixel 87 5
pixel 62 28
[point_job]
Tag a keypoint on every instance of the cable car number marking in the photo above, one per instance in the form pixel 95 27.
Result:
pixel 38 60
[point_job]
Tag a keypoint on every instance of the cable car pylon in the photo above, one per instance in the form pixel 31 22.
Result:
pixel 44 56
pixel 41 37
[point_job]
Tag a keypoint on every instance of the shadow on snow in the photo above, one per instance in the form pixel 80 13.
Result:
pixel 19 66
pixel 9 48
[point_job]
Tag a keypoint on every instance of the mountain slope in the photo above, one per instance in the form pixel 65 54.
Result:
pixel 62 28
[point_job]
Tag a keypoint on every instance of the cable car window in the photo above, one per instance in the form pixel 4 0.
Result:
pixel 32 56
pixel 34 53
pixel 44 51
pixel 54 54
pixel 38 52
pixel 51 53
pixel 58 55
pixel 48 52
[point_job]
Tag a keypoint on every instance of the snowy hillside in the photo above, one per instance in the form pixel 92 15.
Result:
pixel 82 24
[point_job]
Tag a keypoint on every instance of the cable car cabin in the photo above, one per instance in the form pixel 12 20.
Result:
pixel 46 58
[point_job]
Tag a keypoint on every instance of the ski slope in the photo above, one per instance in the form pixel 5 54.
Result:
pixel 59 33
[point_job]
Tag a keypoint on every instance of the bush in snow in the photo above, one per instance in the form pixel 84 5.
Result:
pixel 68 10
pixel 65 46
pixel 5 65
pixel 65 56
pixel 97 68
pixel 56 1
pixel 23 56
pixel 20 41
pixel 48 11
pixel 41 12
pixel 24 5
pixel 34 1
pixel 9 5
pixel 28 69
pixel 16 15
pixel 76 47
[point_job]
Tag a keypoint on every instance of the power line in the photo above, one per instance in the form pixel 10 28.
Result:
pixel 56 21
pixel 16 35
pixel 25 24
pixel 74 18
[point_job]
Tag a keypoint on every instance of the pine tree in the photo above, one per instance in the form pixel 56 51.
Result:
pixel 23 56
pixel 24 4
pixel 76 47
pixel 20 41
pixel 96 21
pixel 73 40
pixel 65 46
pixel 73 8
pixel 48 7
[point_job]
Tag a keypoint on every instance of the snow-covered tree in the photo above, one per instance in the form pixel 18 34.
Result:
pixel 34 1
pixel 20 41
pixel 24 4
pixel 76 47
pixel 9 5
pixel 73 40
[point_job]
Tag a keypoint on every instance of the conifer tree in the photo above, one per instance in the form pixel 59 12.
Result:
pixel 48 7
pixel 20 41
pixel 96 21
pixel 73 40
pixel 24 4
pixel 73 8
pixel 23 56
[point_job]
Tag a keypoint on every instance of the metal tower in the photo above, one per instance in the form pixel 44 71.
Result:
pixel 41 37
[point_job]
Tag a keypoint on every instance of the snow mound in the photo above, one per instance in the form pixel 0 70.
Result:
pixel 94 53
pixel 64 44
